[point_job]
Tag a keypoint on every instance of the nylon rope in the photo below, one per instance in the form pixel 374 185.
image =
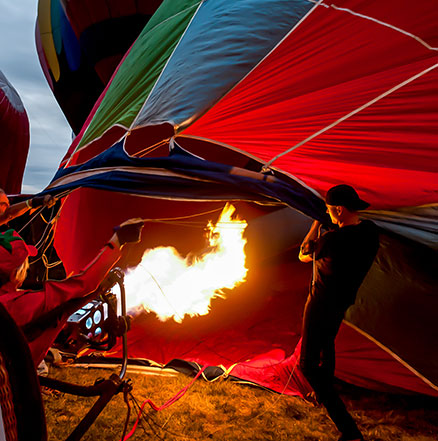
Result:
pixel 38 211
pixel 375 20
pixel 167 404
pixel 144 417
pixel 188 216
pixel 47 229
pixel 142 153
pixel 392 354
pixel 42 243
pixel 50 226
pixel 226 373
pixel 46 244
pixel 267 165
pixel 151 420
pixel 179 394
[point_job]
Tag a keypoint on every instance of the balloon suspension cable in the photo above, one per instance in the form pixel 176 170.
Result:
pixel 44 241
pixel 179 220
pixel 151 148
pixel 47 230
pixel 267 165
pixel 39 210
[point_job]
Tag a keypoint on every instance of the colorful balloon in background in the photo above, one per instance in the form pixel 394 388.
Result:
pixel 80 43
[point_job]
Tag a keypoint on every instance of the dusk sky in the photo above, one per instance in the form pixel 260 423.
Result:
pixel 50 133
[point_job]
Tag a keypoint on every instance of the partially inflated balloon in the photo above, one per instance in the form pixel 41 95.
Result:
pixel 15 137
pixel 269 104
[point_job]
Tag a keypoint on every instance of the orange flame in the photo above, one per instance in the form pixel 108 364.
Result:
pixel 173 286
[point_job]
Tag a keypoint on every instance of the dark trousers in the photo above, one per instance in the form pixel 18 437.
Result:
pixel 317 362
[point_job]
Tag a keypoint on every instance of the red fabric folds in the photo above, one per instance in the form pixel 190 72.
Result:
pixel 327 67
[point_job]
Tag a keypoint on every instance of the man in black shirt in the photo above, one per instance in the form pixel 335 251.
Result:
pixel 341 259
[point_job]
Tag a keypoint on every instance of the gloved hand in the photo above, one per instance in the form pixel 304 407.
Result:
pixel 40 201
pixel 129 231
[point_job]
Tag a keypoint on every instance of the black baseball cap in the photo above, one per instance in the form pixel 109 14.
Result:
pixel 346 196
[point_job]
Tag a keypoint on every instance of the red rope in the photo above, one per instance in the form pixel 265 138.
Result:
pixel 167 404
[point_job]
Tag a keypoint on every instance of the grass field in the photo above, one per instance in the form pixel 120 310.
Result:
pixel 228 411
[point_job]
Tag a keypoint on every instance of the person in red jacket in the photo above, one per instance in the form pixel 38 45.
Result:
pixel 27 307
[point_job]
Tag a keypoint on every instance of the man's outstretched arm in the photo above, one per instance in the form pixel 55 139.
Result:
pixel 308 244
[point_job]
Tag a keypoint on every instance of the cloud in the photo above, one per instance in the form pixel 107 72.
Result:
pixel 50 132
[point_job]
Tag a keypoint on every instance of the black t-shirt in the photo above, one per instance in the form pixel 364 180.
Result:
pixel 343 257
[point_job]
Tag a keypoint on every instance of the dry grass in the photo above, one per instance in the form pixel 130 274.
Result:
pixel 227 411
